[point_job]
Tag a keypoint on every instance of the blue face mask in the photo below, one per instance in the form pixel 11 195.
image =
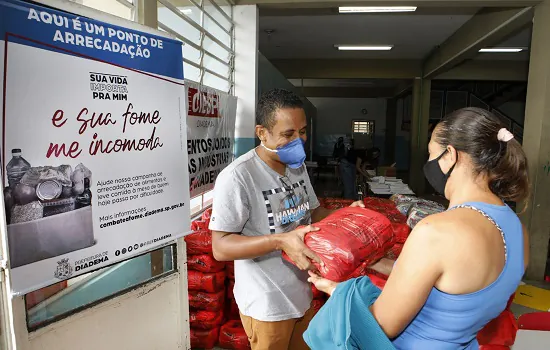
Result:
pixel 292 154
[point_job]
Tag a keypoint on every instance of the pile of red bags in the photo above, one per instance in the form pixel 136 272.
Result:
pixel 233 336
pixel 347 238
pixel 335 203
pixel 206 283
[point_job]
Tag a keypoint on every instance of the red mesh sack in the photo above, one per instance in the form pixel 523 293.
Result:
pixel 379 204
pixel 371 272
pixel 233 336
pixel 232 311
pixel 204 339
pixel 348 238
pixel 394 252
pixel 206 301
pixel 377 281
pixel 376 278
pixel 493 347
pixel 317 294
pixel 199 225
pixel 386 207
pixel 202 319
pixel 230 288
pixel 230 270
pixel 204 263
pixel 401 232
pixel 337 203
pixel 317 304
pixel 321 202
pixel 206 215
pixel 501 331
pixel 206 282
pixel 199 243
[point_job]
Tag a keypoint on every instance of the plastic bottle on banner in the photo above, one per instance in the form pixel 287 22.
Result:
pixel 16 168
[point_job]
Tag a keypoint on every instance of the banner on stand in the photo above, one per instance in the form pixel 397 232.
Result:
pixel 211 118
pixel 93 163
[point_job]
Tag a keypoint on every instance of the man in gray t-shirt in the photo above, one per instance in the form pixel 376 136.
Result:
pixel 263 205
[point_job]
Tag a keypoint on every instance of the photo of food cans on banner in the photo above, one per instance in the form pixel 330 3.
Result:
pixel 93 155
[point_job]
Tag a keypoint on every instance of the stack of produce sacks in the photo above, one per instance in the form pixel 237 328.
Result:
pixel 415 208
pixel 206 283
pixel 335 203
pixel 348 238
pixel 232 334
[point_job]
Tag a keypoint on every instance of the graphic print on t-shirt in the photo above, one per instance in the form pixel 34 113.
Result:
pixel 287 207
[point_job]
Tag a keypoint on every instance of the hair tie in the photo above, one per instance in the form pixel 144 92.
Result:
pixel 504 135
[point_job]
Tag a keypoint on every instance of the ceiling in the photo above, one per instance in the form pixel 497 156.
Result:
pixel 358 83
pixel 297 35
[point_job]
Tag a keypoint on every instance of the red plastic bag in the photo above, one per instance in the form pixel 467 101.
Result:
pixel 377 281
pixel 230 270
pixel 317 304
pixel 201 319
pixel 204 339
pixel 379 204
pixel 376 278
pixel 206 215
pixel 230 288
pixel 501 331
pixel 199 243
pixel 199 225
pixel 386 207
pixel 348 238
pixel 206 301
pixel 204 263
pixel 233 336
pixel 394 252
pixel 337 203
pixel 401 231
pixel 317 294
pixel 232 311
pixel 206 282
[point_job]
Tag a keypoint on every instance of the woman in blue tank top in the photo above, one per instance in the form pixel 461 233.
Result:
pixel 458 268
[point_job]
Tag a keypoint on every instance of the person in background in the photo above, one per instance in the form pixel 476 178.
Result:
pixel 339 149
pixel 264 205
pixel 347 166
pixel 458 268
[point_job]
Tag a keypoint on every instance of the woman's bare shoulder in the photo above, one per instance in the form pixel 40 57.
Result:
pixel 452 222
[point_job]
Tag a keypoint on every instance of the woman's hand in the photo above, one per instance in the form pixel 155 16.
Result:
pixel 356 204
pixel 321 283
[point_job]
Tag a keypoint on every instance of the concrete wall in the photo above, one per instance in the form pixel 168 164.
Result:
pixel 148 318
pixel 335 116
pixel 514 110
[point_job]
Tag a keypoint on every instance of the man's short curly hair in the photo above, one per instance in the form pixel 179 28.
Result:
pixel 272 101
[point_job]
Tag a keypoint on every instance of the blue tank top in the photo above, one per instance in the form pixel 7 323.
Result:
pixel 451 322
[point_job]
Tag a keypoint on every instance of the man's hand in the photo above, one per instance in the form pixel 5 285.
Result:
pixel 321 283
pixel 356 204
pixel 292 243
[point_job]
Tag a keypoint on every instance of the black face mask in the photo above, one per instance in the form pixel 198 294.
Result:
pixel 435 175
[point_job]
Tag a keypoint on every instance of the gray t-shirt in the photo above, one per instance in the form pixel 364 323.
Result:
pixel 253 199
